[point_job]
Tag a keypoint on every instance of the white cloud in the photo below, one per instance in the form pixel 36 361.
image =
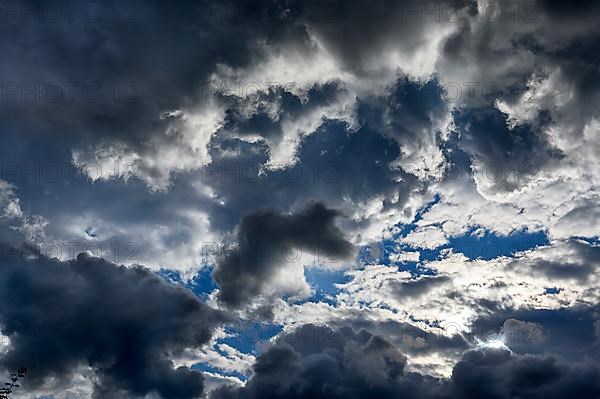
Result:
pixel 428 237
pixel 30 226
pixel 181 147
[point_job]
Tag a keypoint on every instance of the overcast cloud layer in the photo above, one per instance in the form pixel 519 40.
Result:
pixel 300 199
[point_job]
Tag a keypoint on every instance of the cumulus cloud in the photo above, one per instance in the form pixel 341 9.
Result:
pixel 267 240
pixel 126 324
pixel 360 364
pixel 572 260
pixel 528 376
pixel 355 365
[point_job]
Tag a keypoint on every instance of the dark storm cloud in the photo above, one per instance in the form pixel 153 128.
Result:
pixel 502 375
pixel 363 31
pixel 125 323
pixel 118 74
pixel 265 238
pixel 319 362
pixel 110 69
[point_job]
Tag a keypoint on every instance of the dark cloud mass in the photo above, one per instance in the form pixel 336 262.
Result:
pixel 267 239
pixel 360 31
pixel 318 362
pixel 500 374
pixel 124 323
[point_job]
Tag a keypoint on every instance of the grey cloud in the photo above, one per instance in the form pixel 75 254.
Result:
pixel 513 62
pixel 567 332
pixel 363 365
pixel 417 287
pixel 499 374
pixel 409 338
pixel 319 362
pixel 124 323
pixel 517 332
pixel 565 271
pixel 503 57
pixel 86 99
pixel 263 239
pixel 128 325
pixel 571 259
pixel 362 32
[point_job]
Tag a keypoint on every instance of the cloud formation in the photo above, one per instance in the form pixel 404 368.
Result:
pixel 126 324
pixel 267 240
pixel 318 362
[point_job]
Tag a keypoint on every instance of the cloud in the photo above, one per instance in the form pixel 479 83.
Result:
pixel 418 287
pixel 120 114
pixel 505 157
pixel 428 237
pixel 30 227
pixel 124 323
pixel 529 376
pixel 570 260
pixel 518 331
pixel 457 292
pixel 567 332
pixel 374 41
pixel 266 239
pixel 317 361
pixel 539 78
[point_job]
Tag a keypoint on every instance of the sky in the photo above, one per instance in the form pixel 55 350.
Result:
pixel 300 199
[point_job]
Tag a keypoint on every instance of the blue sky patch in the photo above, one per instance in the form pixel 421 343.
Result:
pixel 477 243
pixel 323 282
pixel 552 290
pixel 247 334
pixel 202 284
pixel 491 245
